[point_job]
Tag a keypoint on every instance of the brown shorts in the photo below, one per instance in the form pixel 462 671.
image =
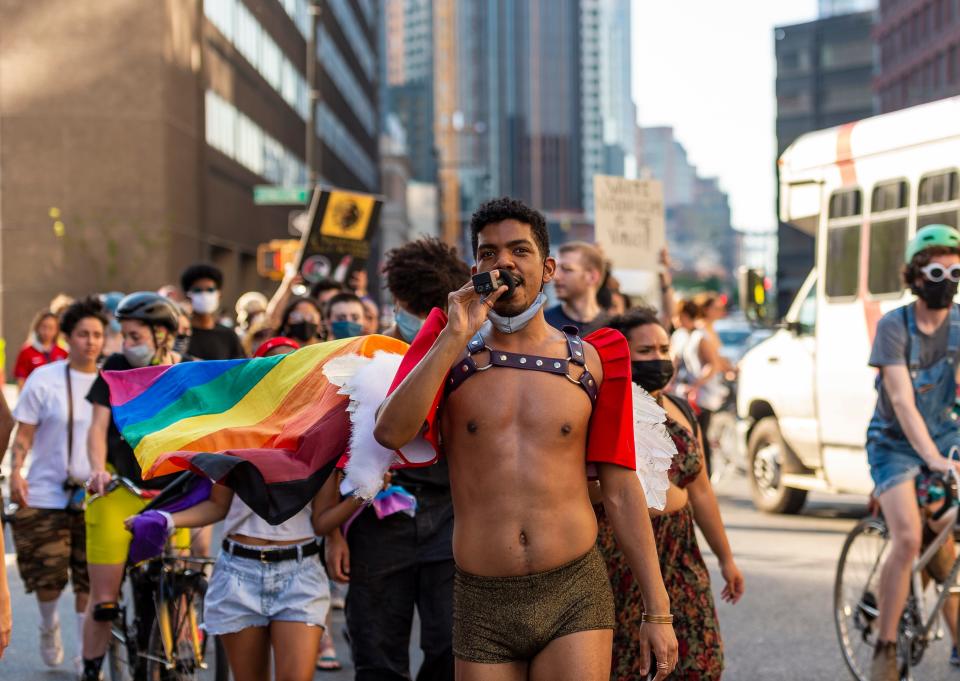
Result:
pixel 505 619
pixel 51 546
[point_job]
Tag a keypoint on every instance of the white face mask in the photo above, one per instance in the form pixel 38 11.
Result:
pixel 138 355
pixel 517 322
pixel 205 302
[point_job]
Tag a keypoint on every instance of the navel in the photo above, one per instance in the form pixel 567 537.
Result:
pixel 523 538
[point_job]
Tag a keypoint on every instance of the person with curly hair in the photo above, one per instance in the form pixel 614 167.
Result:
pixel 410 558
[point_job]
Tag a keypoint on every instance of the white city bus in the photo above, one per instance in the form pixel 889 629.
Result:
pixel 806 395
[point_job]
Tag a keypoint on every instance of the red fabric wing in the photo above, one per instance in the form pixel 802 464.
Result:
pixel 610 439
pixel 435 322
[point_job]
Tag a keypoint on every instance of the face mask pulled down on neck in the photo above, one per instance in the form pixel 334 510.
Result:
pixel 938 294
pixel 407 324
pixel 205 302
pixel 346 329
pixel 652 374
pixel 138 355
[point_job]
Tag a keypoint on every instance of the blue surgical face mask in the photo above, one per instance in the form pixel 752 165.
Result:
pixel 407 324
pixel 346 329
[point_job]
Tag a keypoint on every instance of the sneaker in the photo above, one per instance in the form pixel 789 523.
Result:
pixel 51 647
pixel 954 657
pixel 884 665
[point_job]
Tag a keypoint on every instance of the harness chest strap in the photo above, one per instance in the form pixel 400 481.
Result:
pixel 501 358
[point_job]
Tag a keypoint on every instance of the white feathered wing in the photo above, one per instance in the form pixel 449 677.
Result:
pixel 655 448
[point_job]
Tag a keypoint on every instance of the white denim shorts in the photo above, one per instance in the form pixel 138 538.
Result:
pixel 245 592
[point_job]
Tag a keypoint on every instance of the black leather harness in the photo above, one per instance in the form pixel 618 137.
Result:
pixel 551 365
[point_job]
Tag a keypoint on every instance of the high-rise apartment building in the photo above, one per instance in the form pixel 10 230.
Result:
pixel 523 97
pixel 609 114
pixel 132 134
pixel 919 52
pixel 824 73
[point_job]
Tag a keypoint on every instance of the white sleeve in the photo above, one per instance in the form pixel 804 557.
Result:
pixel 30 403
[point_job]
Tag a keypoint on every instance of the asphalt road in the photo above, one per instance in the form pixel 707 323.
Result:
pixel 781 630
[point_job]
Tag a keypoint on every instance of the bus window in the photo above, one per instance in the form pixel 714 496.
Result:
pixel 939 200
pixel 888 236
pixel 842 269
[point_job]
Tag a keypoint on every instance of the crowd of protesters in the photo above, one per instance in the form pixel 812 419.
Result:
pixel 395 565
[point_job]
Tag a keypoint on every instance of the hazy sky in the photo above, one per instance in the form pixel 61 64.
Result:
pixel 707 68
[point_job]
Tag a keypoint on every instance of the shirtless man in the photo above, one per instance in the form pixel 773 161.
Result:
pixel 532 599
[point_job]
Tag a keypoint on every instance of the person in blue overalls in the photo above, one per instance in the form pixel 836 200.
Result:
pixel 916 350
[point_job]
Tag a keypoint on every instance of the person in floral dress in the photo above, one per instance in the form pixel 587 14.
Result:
pixel 690 503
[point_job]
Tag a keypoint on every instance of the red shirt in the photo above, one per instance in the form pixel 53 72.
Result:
pixel 30 358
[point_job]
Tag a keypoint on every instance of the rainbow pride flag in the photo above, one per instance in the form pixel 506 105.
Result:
pixel 270 428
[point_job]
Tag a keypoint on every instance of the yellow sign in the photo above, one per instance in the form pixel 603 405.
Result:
pixel 347 215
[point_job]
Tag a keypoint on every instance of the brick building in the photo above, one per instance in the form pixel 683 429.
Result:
pixel 918 44
pixel 132 133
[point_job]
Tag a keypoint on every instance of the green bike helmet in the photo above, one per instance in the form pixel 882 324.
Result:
pixel 933 235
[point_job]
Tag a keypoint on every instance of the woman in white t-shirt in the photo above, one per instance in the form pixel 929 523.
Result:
pixel 53 417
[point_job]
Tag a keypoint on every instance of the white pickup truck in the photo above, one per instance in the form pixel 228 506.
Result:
pixel 806 394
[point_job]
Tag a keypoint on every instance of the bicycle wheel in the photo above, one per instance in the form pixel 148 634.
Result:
pixel 118 651
pixel 855 591
pixel 173 627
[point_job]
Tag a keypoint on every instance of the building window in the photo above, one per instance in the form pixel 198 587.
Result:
pixel 843 244
pixel 241 139
pixel 939 200
pixel 336 136
pixel 241 27
pixel 347 83
pixel 355 36
pixel 888 236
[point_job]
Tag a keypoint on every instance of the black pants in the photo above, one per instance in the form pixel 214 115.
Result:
pixel 396 564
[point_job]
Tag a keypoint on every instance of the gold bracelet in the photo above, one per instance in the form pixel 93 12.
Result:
pixel 656 619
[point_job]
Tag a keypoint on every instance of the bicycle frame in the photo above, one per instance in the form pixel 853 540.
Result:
pixel 920 564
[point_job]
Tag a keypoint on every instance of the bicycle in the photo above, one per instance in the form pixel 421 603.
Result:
pixel 158 633
pixel 856 607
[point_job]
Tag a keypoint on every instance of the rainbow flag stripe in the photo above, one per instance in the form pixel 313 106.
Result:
pixel 271 428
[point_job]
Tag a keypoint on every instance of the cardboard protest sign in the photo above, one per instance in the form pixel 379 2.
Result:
pixel 629 221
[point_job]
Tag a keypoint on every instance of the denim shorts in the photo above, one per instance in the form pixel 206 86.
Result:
pixel 890 467
pixel 245 592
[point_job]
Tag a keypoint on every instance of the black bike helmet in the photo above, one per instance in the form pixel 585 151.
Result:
pixel 151 309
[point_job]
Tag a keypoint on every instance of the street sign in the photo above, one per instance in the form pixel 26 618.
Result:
pixel 271 195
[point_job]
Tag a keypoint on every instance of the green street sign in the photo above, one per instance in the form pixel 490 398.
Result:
pixel 270 195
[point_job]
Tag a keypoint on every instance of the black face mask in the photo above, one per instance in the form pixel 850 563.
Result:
pixel 938 295
pixel 652 374
pixel 302 331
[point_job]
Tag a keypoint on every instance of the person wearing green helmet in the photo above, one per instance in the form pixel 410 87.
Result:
pixel 911 434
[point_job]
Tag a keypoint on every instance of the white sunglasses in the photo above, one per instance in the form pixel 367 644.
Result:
pixel 935 273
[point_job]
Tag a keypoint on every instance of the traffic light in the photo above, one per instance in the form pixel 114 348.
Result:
pixel 273 256
pixel 753 286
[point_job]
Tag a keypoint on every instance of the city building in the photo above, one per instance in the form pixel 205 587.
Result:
pixel 495 101
pixel 919 52
pixel 132 134
pixel 609 114
pixel 700 235
pixel 824 73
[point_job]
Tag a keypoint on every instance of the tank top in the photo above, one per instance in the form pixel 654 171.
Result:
pixel 242 520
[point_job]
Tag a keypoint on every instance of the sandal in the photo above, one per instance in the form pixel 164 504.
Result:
pixel 328 662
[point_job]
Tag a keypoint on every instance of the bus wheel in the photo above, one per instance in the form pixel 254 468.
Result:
pixel 767 460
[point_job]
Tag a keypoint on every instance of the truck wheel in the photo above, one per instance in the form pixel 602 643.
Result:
pixel 767 459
